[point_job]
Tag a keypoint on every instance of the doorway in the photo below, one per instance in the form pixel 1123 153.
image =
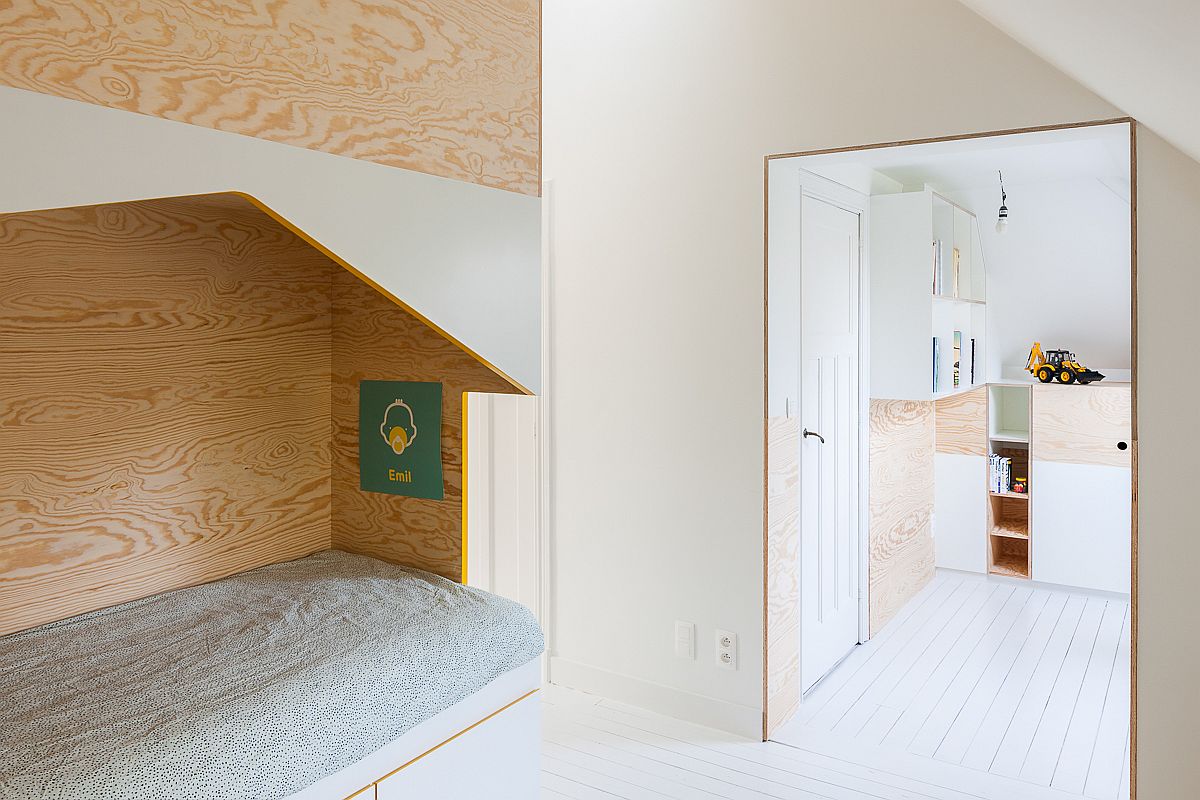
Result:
pixel 995 508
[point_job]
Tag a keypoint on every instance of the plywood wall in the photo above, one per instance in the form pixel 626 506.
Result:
pixel 451 87
pixel 180 399
pixel 375 339
pixel 961 423
pixel 1083 424
pixel 164 408
pixel 901 506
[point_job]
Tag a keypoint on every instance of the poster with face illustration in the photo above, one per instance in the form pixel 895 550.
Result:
pixel 400 438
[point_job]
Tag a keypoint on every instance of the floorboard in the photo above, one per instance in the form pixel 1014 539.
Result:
pixel 982 688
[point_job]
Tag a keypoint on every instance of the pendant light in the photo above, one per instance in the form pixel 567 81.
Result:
pixel 1002 218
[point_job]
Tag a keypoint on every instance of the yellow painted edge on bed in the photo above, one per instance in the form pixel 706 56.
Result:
pixel 359 793
pixel 463 549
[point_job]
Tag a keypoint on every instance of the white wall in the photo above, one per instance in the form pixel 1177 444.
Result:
pixel 1060 274
pixel 465 256
pixel 657 117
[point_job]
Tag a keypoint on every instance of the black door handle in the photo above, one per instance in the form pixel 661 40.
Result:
pixel 808 433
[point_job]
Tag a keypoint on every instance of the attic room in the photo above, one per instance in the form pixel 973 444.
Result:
pixel 578 399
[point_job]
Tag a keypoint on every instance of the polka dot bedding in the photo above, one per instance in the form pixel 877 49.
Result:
pixel 248 688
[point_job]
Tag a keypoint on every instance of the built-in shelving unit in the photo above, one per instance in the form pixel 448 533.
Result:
pixel 1008 512
pixel 928 261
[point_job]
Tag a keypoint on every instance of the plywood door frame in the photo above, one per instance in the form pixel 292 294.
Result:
pixel 815 186
pixel 1133 310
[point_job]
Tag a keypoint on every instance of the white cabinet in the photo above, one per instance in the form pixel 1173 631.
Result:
pixel 1081 486
pixel 959 511
pixel 498 758
pixel 927 282
pixel 1083 514
pixel 959 478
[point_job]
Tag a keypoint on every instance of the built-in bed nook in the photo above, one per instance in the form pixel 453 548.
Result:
pixel 197 599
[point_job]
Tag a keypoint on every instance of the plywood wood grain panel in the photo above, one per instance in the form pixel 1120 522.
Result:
pixel 962 423
pixel 782 571
pixel 450 87
pixel 901 505
pixel 374 339
pixel 1082 424
pixel 164 413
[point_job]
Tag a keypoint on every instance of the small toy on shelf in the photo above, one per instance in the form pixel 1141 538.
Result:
pixel 1020 485
pixel 1059 365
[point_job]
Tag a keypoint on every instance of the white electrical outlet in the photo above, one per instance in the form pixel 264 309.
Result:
pixel 685 640
pixel 726 649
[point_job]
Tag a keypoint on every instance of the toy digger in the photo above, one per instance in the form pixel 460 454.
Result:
pixel 1060 364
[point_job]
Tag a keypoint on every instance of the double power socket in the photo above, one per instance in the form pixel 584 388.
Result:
pixel 725 650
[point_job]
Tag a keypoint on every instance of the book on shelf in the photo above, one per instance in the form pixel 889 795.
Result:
pixel 937 266
pixel 954 279
pixel 972 360
pixel 957 357
pixel 999 474
pixel 935 364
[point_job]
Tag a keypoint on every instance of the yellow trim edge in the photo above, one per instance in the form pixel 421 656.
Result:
pixel 452 738
pixel 463 550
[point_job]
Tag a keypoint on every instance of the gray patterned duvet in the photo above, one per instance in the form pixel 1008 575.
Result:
pixel 249 688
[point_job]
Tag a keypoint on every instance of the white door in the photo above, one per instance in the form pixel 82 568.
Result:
pixel 829 450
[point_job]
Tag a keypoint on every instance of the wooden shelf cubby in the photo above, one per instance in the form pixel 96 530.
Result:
pixel 1009 412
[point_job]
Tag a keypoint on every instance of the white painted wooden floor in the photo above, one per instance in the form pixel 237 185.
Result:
pixel 983 684
pixel 978 689
pixel 597 749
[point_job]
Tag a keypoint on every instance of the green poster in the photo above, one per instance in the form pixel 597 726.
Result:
pixel 400 438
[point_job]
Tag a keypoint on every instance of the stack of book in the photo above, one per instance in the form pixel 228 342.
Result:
pixel 1000 474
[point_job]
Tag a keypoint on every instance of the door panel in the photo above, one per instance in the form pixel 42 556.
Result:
pixel 1081 486
pixel 829 549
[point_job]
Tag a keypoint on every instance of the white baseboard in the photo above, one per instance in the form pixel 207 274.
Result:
pixel 708 711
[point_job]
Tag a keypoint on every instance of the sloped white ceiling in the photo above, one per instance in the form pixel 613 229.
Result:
pixel 1142 56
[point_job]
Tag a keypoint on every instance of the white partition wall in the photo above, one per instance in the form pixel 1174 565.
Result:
pixel 502 543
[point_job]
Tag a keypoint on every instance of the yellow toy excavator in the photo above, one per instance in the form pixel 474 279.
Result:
pixel 1059 364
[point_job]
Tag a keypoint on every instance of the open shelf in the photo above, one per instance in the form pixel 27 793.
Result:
pixel 1008 534
pixel 1013 495
pixel 1011 564
pixel 954 299
pixel 1008 414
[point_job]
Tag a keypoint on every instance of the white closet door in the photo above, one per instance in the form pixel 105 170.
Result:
pixel 1082 525
pixel 1081 486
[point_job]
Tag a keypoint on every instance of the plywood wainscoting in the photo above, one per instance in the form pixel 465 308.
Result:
pixel 450 88
pixel 782 688
pixel 166 415
pixel 901 505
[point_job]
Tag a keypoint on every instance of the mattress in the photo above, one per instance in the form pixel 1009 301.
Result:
pixel 248 688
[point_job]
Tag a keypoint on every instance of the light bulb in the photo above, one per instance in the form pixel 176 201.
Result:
pixel 1002 220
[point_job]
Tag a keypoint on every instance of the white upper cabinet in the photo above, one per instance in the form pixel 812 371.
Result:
pixel 927 284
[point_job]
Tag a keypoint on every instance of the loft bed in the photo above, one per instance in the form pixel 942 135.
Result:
pixel 196 598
